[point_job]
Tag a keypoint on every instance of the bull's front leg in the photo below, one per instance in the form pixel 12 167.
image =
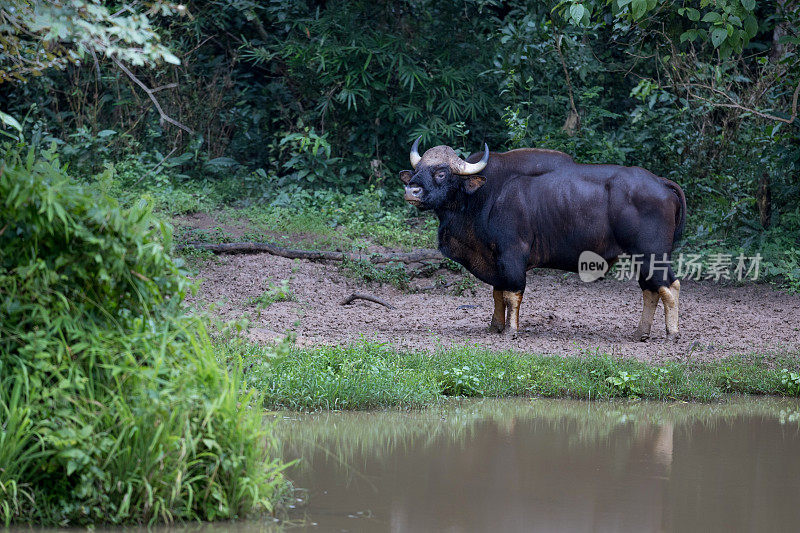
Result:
pixel 505 318
pixel 499 316
pixel 512 299
pixel 649 304
pixel 511 269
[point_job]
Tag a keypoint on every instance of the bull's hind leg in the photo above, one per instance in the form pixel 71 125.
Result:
pixel 657 278
pixel 499 316
pixel 512 299
pixel 649 304
pixel 669 295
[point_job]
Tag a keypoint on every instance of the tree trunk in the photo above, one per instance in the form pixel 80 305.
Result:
pixel 764 200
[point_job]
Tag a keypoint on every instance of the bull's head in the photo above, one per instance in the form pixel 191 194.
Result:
pixel 439 175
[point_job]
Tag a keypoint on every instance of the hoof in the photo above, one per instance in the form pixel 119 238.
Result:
pixel 672 337
pixel 640 336
pixel 494 327
pixel 510 333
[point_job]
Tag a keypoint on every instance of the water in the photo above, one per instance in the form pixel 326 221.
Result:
pixel 549 465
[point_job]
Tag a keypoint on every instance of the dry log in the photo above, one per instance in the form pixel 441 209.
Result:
pixel 367 297
pixel 311 255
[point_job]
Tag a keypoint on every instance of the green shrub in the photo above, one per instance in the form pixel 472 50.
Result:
pixel 791 382
pixel 625 384
pixel 462 381
pixel 112 404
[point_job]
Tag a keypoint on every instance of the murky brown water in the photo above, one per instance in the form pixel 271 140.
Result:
pixel 543 465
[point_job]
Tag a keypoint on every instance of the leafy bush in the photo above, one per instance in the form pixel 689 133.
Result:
pixel 625 383
pixel 791 382
pixel 461 381
pixel 113 406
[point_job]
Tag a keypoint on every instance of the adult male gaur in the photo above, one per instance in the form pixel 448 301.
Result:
pixel 539 208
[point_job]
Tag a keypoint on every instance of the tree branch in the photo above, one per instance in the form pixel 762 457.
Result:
pixel 573 121
pixel 149 91
pixel 162 87
pixel 735 105
pixel 367 297
pixel 311 255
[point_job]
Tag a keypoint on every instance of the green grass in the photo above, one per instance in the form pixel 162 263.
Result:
pixel 359 377
pixel 327 219
pixel 322 219
pixel 367 375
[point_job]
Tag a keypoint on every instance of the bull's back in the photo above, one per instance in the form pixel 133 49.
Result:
pixel 571 216
pixel 606 209
pixel 529 162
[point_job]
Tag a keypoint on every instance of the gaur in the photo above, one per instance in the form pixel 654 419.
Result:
pixel 539 208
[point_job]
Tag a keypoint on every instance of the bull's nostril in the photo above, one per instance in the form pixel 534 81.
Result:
pixel 413 195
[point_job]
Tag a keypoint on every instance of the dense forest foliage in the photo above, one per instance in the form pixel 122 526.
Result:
pixel 329 94
pixel 295 96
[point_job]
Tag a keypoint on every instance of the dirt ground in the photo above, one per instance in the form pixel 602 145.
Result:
pixel 560 314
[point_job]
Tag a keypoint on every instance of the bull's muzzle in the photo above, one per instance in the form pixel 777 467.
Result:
pixel 413 195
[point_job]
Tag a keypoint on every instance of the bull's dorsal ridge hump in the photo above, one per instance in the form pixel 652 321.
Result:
pixel 541 151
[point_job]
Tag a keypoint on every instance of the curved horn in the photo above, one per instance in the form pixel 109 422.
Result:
pixel 466 169
pixel 415 157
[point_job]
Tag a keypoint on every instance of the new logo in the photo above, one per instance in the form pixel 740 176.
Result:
pixel 591 266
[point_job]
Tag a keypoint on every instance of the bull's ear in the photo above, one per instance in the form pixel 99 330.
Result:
pixel 473 183
pixel 405 176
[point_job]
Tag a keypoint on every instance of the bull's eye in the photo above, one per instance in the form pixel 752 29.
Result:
pixel 440 175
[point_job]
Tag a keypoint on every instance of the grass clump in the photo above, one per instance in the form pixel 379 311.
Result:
pixel 361 376
pixel 274 293
pixel 368 375
pixel 113 407
pixel 394 274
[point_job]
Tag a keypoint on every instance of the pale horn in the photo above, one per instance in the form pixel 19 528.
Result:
pixel 463 168
pixel 415 157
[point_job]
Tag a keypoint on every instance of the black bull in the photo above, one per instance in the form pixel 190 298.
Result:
pixel 539 208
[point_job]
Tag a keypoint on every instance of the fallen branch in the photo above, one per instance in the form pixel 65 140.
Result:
pixel 311 255
pixel 367 297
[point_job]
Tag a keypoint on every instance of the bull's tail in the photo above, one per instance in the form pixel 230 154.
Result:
pixel 680 216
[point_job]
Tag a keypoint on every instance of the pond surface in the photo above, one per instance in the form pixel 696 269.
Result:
pixel 549 465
